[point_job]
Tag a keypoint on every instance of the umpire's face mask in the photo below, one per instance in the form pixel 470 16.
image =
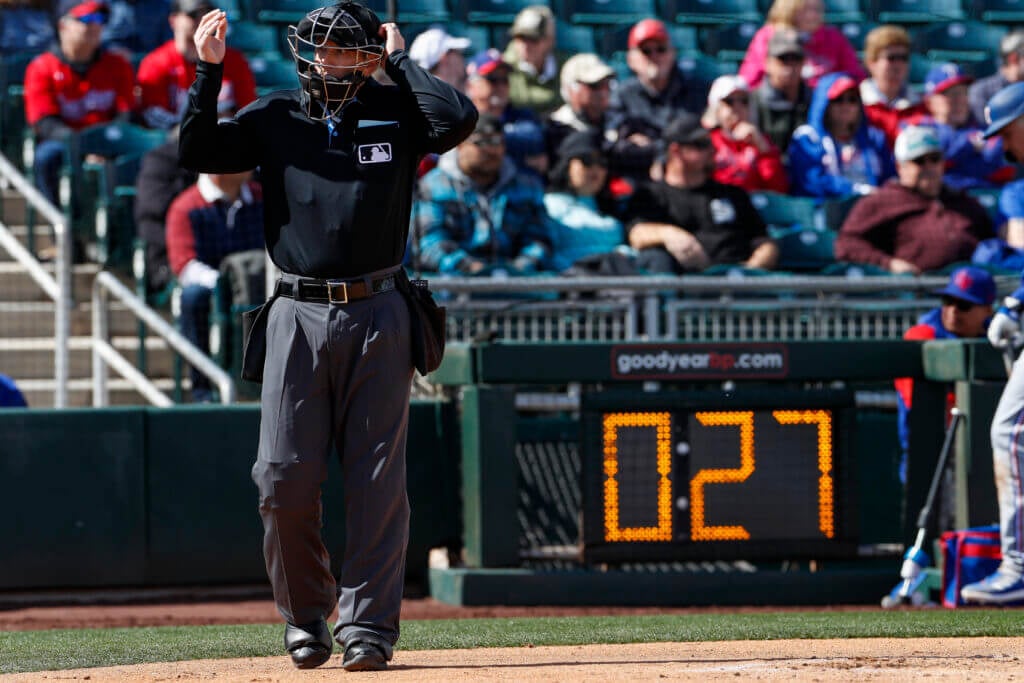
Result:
pixel 334 56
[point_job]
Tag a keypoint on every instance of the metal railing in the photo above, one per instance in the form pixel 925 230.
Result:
pixel 104 355
pixel 56 286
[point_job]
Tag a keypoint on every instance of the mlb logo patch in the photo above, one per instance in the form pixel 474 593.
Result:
pixel 376 153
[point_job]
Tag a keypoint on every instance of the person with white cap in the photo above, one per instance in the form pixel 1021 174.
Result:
pixel 586 82
pixel 1003 114
pixel 914 223
pixel 441 54
pixel 533 82
pixel 743 155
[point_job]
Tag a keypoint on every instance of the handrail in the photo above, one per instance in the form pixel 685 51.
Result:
pixel 103 354
pixel 694 284
pixel 57 288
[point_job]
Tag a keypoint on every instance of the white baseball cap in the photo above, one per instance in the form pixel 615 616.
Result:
pixel 915 141
pixel 433 44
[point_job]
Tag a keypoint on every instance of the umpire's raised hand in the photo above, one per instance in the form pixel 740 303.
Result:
pixel 210 35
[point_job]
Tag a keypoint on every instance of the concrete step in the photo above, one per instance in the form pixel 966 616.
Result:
pixel 13 207
pixel 17 285
pixel 36 319
pixel 44 239
pixel 30 358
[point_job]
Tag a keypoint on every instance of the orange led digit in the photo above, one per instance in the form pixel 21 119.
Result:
pixel 699 531
pixel 826 491
pixel 662 422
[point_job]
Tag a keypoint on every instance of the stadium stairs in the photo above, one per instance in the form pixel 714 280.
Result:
pixel 27 328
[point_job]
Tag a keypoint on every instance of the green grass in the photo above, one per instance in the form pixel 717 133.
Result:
pixel 23 651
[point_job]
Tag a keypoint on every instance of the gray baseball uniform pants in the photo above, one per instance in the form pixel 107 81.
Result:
pixel 336 374
pixel 1008 463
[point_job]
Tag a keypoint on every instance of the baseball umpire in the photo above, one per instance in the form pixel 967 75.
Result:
pixel 1004 115
pixel 337 159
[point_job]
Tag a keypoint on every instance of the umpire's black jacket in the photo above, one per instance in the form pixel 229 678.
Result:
pixel 338 205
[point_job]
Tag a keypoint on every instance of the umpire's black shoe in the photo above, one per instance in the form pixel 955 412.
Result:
pixel 363 656
pixel 309 644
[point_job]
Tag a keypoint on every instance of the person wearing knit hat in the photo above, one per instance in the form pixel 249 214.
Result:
pixel 442 55
pixel 914 223
pixel 533 81
pixel 743 155
pixel 580 229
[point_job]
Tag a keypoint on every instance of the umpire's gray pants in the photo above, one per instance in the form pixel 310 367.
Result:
pixel 341 374
pixel 1008 462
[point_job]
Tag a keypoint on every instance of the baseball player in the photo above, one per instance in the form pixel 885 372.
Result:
pixel 1004 115
pixel 337 160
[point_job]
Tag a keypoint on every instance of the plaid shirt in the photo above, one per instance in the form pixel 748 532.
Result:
pixel 505 225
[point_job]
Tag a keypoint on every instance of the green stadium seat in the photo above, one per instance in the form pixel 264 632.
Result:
pixel 966 42
pixel 917 11
pixel 254 39
pixel 412 10
pixel 711 11
pixel 783 210
pixel 572 39
pixel 997 11
pixel 494 11
pixel 606 12
pixel 272 74
pixel 988 197
pixel 856 32
pixel 12 104
pixel 282 11
pixel 115 223
pixel 834 211
pixel 844 11
pixel 729 41
pixel 704 69
pixel 805 250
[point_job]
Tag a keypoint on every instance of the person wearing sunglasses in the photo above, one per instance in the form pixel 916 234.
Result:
pixel 477 213
pixel 826 48
pixel 687 221
pixel 487 86
pixel 743 155
pixel 585 238
pixel 964 313
pixel 914 223
pixel 780 103
pixel 75 85
pixel 643 105
pixel 836 153
pixel 166 73
pixel 888 100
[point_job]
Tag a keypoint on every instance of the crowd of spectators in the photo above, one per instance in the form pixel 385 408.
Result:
pixel 652 164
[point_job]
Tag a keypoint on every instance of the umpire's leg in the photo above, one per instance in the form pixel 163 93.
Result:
pixel 373 381
pixel 295 431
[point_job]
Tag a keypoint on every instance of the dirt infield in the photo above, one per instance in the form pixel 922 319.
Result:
pixel 961 659
pixel 976 659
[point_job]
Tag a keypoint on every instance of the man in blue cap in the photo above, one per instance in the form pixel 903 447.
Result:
pixel 964 314
pixel 1003 115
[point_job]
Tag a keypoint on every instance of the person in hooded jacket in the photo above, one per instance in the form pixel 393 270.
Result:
pixel 836 153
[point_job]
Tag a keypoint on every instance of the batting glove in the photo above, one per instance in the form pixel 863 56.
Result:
pixel 1004 330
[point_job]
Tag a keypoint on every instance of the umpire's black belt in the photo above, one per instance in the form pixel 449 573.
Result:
pixel 334 291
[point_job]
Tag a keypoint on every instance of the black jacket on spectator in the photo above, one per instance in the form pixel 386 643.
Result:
pixel 635 109
pixel 721 217
pixel 777 117
pixel 160 180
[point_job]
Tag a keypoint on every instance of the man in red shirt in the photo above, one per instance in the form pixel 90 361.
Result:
pixel 76 85
pixel 166 73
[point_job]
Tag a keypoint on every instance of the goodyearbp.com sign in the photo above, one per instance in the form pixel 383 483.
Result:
pixel 699 361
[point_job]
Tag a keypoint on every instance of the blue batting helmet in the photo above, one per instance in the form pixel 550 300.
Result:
pixel 1003 107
